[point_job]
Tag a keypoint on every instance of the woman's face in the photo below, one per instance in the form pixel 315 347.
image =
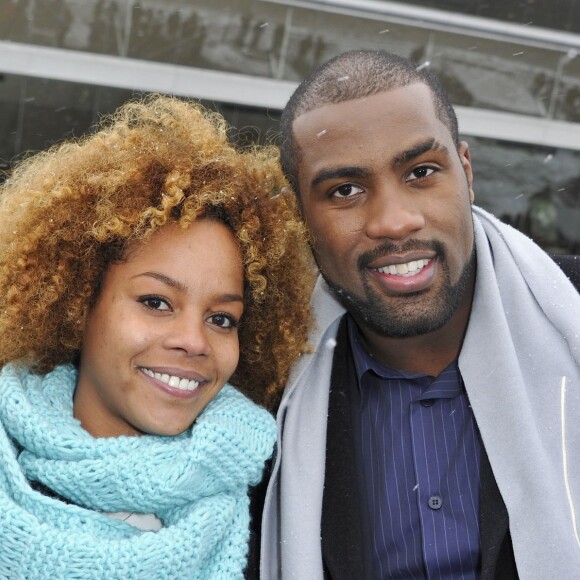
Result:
pixel 162 340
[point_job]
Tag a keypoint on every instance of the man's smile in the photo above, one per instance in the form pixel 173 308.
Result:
pixel 405 269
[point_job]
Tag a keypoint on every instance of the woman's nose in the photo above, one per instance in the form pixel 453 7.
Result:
pixel 189 335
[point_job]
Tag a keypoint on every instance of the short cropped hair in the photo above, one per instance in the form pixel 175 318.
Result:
pixel 352 75
pixel 68 213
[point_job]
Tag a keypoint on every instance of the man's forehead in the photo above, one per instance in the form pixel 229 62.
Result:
pixel 386 104
pixel 361 96
pixel 394 112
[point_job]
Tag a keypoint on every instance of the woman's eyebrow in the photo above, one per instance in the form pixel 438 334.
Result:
pixel 173 283
pixel 167 280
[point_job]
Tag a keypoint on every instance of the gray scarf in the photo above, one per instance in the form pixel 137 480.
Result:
pixel 520 362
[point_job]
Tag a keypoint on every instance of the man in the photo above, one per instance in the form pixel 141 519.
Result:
pixel 434 431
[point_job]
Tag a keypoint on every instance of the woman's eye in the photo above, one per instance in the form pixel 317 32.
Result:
pixel 155 303
pixel 223 320
pixel 347 190
pixel 420 173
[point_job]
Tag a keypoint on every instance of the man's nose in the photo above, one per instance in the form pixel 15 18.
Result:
pixel 393 214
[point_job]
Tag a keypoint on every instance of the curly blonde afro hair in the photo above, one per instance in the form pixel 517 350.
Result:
pixel 69 212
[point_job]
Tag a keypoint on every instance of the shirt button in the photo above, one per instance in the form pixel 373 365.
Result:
pixel 427 402
pixel 435 502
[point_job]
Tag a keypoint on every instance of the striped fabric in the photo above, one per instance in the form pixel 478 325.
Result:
pixel 419 450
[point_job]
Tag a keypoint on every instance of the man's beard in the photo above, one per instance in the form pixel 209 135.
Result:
pixel 411 314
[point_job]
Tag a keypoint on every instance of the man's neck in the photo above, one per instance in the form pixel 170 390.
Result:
pixel 427 354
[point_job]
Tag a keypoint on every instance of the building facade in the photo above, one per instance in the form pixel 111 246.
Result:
pixel 512 68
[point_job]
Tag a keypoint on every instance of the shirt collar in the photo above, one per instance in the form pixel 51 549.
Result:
pixel 447 384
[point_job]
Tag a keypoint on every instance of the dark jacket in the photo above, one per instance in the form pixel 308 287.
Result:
pixel 344 537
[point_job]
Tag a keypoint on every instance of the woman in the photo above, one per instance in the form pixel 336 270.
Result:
pixel 141 269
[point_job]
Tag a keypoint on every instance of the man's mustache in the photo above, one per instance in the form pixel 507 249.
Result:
pixel 389 248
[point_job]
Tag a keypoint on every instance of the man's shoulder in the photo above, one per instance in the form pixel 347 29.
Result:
pixel 570 265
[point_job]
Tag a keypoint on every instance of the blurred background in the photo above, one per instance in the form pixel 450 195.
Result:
pixel 512 68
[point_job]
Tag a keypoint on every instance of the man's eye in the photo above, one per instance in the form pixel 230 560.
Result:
pixel 155 303
pixel 420 173
pixel 223 320
pixel 347 190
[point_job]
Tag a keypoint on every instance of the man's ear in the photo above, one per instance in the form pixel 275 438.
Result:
pixel 465 159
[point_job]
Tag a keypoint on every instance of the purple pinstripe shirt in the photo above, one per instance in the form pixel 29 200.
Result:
pixel 420 455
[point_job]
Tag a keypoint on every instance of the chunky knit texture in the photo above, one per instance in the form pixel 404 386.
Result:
pixel 196 483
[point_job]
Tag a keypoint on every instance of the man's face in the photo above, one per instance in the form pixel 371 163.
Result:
pixel 387 197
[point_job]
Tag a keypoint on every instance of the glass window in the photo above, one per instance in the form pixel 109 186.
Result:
pixel 535 189
pixel 568 89
pixel 36 113
pixel 273 40
pixel 494 75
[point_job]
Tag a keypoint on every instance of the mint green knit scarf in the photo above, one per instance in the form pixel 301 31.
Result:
pixel 196 483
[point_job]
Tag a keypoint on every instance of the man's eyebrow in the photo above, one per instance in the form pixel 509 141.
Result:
pixel 417 150
pixel 339 172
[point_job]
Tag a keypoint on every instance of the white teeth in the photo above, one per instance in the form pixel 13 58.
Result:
pixel 173 381
pixel 409 269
